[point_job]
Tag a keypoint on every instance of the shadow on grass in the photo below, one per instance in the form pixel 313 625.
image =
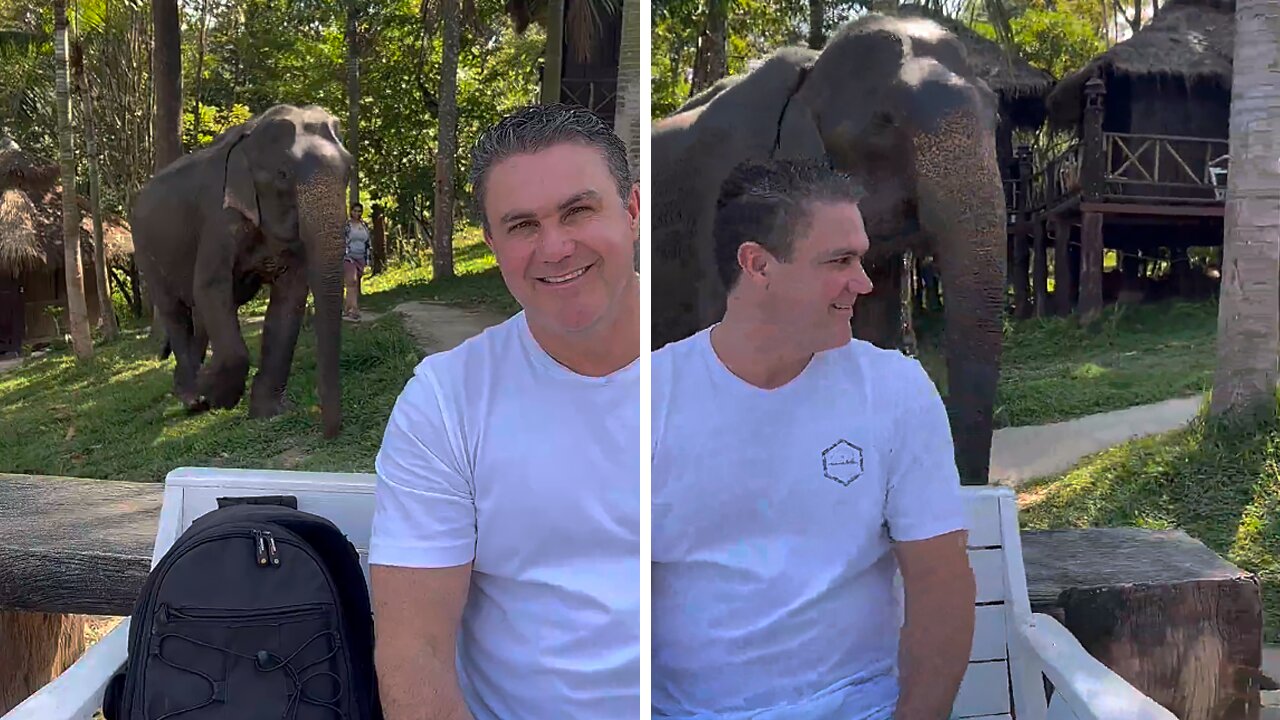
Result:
pixel 1052 369
pixel 1219 484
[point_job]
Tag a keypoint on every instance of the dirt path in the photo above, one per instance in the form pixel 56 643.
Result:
pixel 438 327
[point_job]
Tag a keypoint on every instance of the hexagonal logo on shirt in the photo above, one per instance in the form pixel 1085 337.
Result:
pixel 842 462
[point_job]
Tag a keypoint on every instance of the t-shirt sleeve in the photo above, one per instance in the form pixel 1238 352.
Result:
pixel 923 497
pixel 424 512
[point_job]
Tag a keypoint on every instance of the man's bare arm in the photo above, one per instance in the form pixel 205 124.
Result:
pixel 937 634
pixel 416 616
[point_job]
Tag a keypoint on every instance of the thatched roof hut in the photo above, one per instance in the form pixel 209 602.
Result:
pixel 1021 86
pixel 31 219
pixel 1175 67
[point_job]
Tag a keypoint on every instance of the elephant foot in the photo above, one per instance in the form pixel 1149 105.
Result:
pixel 192 401
pixel 265 401
pixel 222 384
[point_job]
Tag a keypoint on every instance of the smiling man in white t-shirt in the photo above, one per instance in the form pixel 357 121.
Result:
pixel 794 470
pixel 505 560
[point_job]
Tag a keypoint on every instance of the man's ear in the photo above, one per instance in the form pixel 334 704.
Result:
pixel 754 261
pixel 238 192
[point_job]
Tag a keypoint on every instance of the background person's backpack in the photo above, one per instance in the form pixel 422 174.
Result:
pixel 257 611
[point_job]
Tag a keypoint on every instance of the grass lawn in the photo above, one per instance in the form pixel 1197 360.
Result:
pixel 114 416
pixel 1221 486
pixel 1054 370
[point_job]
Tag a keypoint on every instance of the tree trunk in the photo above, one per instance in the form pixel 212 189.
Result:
pixel 38 647
pixel 712 62
pixel 1249 308
pixel 201 42
pixel 77 312
pixel 353 101
pixel 553 60
pixel 817 24
pixel 167 70
pixel 626 119
pixel 442 242
pixel 106 310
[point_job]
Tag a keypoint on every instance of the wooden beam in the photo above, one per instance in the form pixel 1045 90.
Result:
pixel 1166 613
pixel 1040 271
pixel 74 545
pixel 1090 304
pixel 1018 267
pixel 1114 208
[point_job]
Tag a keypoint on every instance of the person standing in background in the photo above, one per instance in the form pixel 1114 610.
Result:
pixel 354 261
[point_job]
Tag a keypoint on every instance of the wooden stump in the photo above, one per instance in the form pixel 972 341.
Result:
pixel 1159 608
pixel 37 647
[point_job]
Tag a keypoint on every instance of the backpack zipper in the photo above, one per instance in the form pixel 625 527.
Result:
pixel 265 546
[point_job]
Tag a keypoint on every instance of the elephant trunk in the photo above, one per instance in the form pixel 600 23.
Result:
pixel 321 218
pixel 961 204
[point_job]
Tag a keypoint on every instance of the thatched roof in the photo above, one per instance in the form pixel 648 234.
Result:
pixel 31 219
pixel 1187 40
pixel 1008 76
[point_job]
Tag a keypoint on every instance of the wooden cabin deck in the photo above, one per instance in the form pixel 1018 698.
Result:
pixel 1138 194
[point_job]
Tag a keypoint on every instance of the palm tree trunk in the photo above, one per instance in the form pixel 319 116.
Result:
pixel 817 24
pixel 167 63
pixel 77 312
pixel 1249 308
pixel 353 100
pixel 442 240
pixel 553 60
pixel 106 310
pixel 626 118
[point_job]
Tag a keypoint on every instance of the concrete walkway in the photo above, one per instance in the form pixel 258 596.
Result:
pixel 1019 454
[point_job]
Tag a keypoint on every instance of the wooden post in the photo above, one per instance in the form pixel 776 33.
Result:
pixel 1062 275
pixel 1040 270
pixel 38 647
pixel 1093 162
pixel 1090 304
pixel 1019 268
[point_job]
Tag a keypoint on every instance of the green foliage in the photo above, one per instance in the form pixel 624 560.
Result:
pixel 213 122
pixel 1059 41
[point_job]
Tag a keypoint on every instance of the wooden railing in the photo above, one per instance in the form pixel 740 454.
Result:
pixel 1138 164
pixel 595 94
pixel 1132 167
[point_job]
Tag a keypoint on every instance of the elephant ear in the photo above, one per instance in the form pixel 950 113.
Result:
pixel 798 136
pixel 238 191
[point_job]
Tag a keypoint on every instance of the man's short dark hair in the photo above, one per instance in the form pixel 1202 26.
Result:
pixel 770 203
pixel 537 127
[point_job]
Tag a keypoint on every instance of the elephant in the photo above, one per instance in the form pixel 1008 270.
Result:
pixel 265 202
pixel 893 102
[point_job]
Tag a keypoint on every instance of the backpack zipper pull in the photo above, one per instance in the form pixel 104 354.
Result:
pixel 260 547
pixel 271 549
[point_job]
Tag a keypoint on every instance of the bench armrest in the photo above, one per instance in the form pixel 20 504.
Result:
pixel 76 694
pixel 1090 689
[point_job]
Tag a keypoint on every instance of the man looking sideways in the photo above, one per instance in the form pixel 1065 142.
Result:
pixel 507 517
pixel 794 470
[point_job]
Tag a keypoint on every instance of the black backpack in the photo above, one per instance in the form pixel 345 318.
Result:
pixel 259 610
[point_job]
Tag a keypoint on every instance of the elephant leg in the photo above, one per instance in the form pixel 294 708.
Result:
pixel 181 329
pixel 877 317
pixel 279 338
pixel 222 381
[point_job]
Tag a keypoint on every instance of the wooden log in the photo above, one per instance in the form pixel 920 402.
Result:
pixel 72 545
pixel 68 547
pixel 38 647
pixel 1040 271
pixel 1162 610
pixel 1090 303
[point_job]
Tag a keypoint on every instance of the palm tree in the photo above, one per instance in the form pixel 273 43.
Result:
pixel 626 119
pixel 106 311
pixel 167 69
pixel 353 96
pixel 77 312
pixel 1244 383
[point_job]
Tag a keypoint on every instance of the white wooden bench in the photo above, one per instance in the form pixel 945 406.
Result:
pixel 1013 650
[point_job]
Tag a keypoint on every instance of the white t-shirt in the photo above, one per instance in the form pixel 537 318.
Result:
pixel 773 572
pixel 497 453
